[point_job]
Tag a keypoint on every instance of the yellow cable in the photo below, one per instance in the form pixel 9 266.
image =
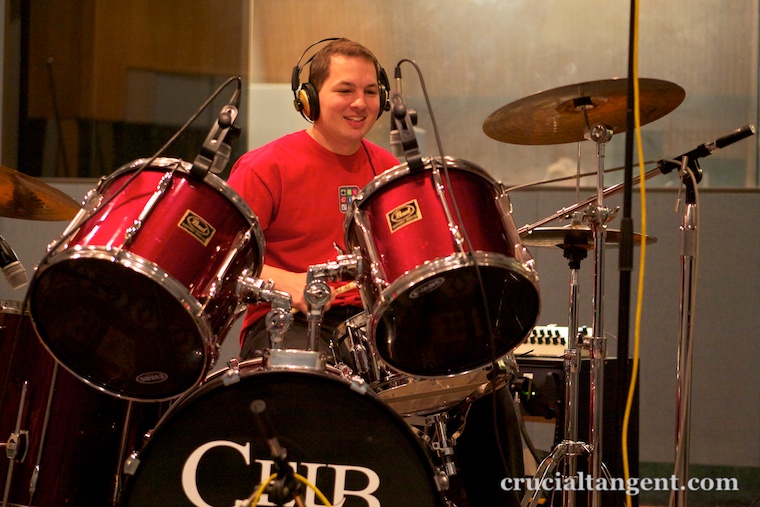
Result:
pixel 254 499
pixel 312 486
pixel 643 246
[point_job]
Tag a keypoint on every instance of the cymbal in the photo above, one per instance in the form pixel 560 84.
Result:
pixel 557 116
pixel 575 235
pixel 22 196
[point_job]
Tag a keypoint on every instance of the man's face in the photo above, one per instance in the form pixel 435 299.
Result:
pixel 348 103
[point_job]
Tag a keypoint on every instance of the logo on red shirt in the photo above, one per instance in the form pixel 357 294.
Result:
pixel 346 196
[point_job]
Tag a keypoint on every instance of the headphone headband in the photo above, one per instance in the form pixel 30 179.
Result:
pixel 296 79
pixel 306 97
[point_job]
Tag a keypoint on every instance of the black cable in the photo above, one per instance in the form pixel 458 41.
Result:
pixel 470 254
pixel 57 243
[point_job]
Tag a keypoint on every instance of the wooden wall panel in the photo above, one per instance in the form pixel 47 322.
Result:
pixel 95 42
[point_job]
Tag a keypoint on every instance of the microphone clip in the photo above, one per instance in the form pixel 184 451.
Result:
pixel 217 148
pixel 402 122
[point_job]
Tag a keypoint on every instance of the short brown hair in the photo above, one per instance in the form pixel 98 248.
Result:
pixel 319 69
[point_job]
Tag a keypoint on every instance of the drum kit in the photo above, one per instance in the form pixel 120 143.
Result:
pixel 165 260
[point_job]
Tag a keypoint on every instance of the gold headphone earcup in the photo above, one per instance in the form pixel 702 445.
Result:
pixel 303 102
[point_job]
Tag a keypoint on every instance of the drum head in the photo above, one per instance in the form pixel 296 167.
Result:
pixel 139 343
pixel 434 322
pixel 208 450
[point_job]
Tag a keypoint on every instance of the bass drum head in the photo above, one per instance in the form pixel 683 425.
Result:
pixel 208 449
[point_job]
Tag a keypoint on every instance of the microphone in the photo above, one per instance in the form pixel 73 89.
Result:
pixel 706 149
pixel 398 91
pixel 401 123
pixel 14 272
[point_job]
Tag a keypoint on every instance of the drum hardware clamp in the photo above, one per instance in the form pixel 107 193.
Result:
pixel 317 293
pixel 279 318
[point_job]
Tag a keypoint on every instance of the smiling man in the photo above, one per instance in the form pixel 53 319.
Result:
pixel 300 185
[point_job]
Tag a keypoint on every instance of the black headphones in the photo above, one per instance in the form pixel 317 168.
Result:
pixel 306 97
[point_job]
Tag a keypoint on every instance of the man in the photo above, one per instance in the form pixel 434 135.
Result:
pixel 296 186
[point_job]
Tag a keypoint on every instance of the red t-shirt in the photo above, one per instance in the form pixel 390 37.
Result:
pixel 300 193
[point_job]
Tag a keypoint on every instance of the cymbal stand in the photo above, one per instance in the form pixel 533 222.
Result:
pixel 568 450
pixel 597 217
pixel 573 356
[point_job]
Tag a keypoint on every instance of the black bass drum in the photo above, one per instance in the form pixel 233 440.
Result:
pixel 208 451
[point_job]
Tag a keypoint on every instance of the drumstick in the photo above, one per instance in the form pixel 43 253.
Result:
pixel 337 291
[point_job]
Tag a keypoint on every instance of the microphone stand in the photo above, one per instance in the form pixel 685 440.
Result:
pixel 284 487
pixel 689 248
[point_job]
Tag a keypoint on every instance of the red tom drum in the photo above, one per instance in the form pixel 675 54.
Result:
pixel 449 287
pixel 139 293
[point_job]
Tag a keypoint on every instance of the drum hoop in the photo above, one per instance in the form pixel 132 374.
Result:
pixel 353 322
pixel 143 267
pixel 402 170
pixel 399 171
pixel 216 381
pixel 434 268
pixel 212 180
pixel 13 307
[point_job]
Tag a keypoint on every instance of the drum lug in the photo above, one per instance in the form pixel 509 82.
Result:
pixel 358 384
pixel 17 446
pixel 232 375
pixel 34 479
pixel 234 363
pixel 90 203
pixel 442 481
pixel 344 370
pixel 131 464
pixel 215 286
pixel 163 185
pixel 92 200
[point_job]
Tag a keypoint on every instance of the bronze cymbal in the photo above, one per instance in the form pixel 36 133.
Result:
pixel 574 235
pixel 22 196
pixel 557 116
